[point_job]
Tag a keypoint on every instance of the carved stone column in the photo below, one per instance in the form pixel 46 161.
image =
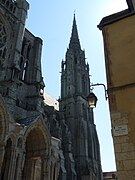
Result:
pixel 57 169
pixel 12 164
pixel 45 168
pixel 19 165
pixel 33 163
pixel 2 152
pixel 52 171
pixel 29 169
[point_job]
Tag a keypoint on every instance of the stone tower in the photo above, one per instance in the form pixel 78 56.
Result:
pixel 75 87
pixel 21 80
pixel 37 141
pixel 27 149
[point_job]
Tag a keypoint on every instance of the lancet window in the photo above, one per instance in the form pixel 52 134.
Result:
pixel 3 41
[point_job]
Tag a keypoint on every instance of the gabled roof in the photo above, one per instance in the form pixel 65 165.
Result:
pixel 115 17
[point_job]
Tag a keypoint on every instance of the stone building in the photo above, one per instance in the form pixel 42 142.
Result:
pixel 75 87
pixel 36 140
pixel 119 42
pixel 109 175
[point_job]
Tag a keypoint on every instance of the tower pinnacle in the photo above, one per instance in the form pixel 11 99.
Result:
pixel 74 40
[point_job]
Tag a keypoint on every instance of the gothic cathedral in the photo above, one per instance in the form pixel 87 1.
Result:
pixel 38 142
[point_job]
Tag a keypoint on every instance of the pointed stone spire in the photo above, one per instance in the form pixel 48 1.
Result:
pixel 74 40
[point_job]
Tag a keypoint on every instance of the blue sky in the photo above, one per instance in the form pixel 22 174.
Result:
pixel 51 20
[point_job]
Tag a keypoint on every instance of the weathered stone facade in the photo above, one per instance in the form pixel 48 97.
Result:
pixel 75 87
pixel 36 140
pixel 119 41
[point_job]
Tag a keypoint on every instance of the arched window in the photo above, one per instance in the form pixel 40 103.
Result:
pixel 23 44
pixel 21 67
pixel 24 70
pixel 6 160
pixel 19 143
pixel 7 4
pixel 4 53
pixel 3 43
pixel 11 7
pixel 28 51
pixel 75 59
pixel 0 53
pixel 83 85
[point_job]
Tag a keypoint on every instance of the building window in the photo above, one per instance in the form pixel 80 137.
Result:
pixel 24 70
pixel 3 41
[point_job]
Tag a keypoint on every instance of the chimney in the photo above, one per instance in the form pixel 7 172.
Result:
pixel 131 5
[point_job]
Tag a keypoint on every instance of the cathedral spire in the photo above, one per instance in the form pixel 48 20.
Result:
pixel 74 40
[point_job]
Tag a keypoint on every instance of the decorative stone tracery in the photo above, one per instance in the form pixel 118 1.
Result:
pixel 3 41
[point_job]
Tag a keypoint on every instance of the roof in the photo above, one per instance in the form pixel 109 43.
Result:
pixel 109 175
pixel 28 120
pixel 51 101
pixel 115 17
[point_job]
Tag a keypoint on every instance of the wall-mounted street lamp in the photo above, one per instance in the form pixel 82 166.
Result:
pixel 92 99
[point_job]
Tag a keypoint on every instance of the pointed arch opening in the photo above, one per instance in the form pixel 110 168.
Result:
pixel 3 120
pixel 3 130
pixel 36 150
pixel 6 161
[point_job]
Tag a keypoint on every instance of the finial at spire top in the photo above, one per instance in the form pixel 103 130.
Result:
pixel 74 14
pixel 74 40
